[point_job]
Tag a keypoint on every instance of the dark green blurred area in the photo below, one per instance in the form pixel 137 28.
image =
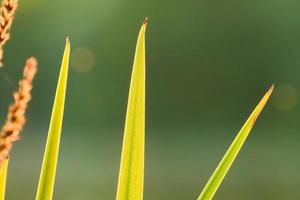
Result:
pixel 208 64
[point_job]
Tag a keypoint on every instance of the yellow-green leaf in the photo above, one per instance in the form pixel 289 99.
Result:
pixel 47 177
pixel 220 172
pixel 3 172
pixel 131 176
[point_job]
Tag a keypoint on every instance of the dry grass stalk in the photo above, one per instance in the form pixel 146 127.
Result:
pixel 10 132
pixel 7 11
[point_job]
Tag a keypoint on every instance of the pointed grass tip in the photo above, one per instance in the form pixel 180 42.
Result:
pixel 68 40
pixel 145 21
pixel 268 94
pixel 261 104
pixel 271 89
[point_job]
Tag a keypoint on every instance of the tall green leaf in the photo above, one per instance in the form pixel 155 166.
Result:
pixel 47 177
pixel 131 176
pixel 3 172
pixel 220 172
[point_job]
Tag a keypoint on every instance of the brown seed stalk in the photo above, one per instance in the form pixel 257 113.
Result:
pixel 7 11
pixel 15 121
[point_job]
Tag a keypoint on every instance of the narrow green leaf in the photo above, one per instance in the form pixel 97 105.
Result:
pixel 47 177
pixel 220 172
pixel 131 176
pixel 3 172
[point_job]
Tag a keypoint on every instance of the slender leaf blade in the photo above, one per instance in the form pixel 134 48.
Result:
pixel 3 174
pixel 47 177
pixel 131 175
pixel 225 164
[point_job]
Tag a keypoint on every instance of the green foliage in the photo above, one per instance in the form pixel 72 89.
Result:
pixel 47 177
pixel 219 174
pixel 131 177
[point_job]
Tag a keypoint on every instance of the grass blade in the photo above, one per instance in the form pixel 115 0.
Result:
pixel 47 177
pixel 220 172
pixel 3 172
pixel 131 176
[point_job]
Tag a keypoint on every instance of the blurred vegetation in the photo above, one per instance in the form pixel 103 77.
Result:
pixel 208 64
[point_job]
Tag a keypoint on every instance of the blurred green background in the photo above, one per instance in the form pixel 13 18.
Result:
pixel 208 65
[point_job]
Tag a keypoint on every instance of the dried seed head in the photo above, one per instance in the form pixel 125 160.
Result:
pixel 10 131
pixel 7 11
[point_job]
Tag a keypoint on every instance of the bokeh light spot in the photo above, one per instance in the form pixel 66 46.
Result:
pixel 285 97
pixel 82 59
